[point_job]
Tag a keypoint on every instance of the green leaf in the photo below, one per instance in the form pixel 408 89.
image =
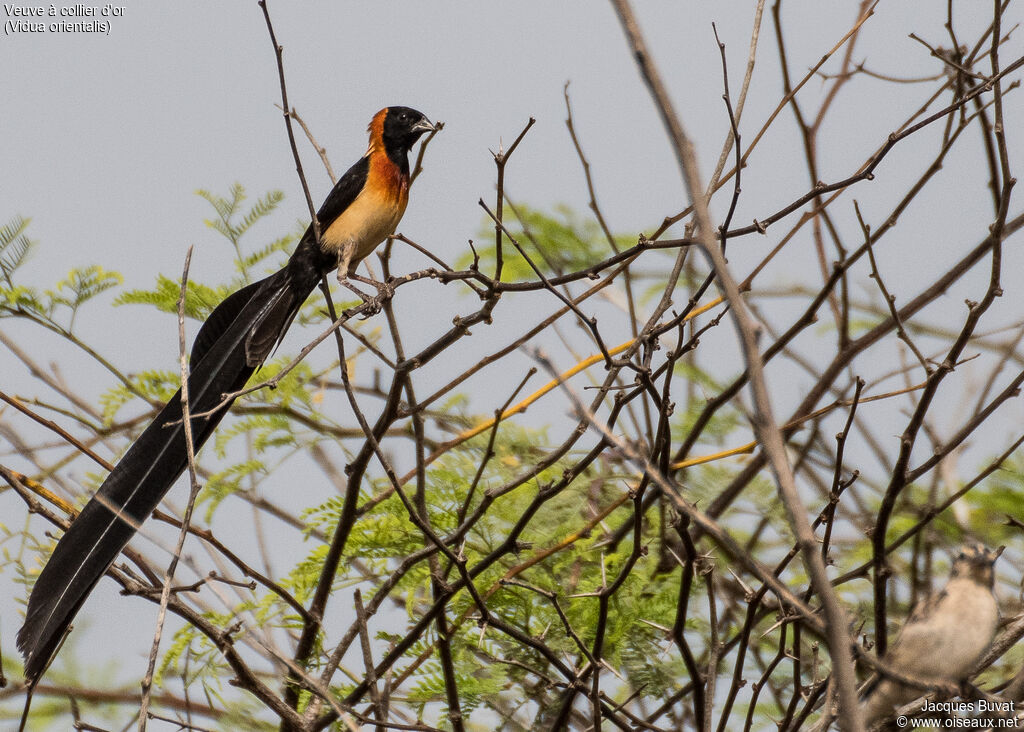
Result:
pixel 15 247
pixel 200 300
pixel 80 286
pixel 156 384
pixel 555 243
pixel 228 224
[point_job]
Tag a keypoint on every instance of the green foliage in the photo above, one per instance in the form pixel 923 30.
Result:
pixel 302 579
pixel 82 285
pixel 263 430
pixel 554 243
pixel 263 254
pixel 232 223
pixel 54 308
pixel 476 688
pixel 195 661
pixel 637 649
pixel 15 247
pixel 995 505
pixel 724 422
pixel 158 386
pixel 293 389
pixel 227 482
pixel 202 654
pixel 200 299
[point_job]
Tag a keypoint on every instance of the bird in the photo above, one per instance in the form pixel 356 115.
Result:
pixel 362 209
pixel 945 636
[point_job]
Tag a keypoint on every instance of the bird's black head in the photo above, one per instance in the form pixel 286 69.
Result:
pixel 399 128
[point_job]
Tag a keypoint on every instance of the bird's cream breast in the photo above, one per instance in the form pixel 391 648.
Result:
pixel 365 223
pixel 373 215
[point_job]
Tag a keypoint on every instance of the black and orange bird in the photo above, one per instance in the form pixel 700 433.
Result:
pixel 362 209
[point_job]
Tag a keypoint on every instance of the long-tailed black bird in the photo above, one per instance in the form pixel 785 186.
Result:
pixel 362 209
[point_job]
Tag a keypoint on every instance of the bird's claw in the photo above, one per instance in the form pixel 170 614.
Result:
pixel 372 303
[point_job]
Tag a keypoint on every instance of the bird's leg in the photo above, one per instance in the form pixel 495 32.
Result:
pixel 344 265
pixel 344 261
pixel 346 273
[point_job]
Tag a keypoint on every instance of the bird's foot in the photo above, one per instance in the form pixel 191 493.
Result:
pixel 374 303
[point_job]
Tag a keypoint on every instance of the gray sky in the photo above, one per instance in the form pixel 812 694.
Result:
pixel 106 138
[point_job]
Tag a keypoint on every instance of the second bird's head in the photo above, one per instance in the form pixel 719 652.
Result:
pixel 398 127
pixel 975 561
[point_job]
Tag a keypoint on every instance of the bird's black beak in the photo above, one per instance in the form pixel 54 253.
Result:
pixel 424 125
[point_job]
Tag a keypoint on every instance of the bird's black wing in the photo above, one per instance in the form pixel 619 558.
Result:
pixel 342 195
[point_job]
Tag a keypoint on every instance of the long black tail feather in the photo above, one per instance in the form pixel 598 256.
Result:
pixel 223 359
